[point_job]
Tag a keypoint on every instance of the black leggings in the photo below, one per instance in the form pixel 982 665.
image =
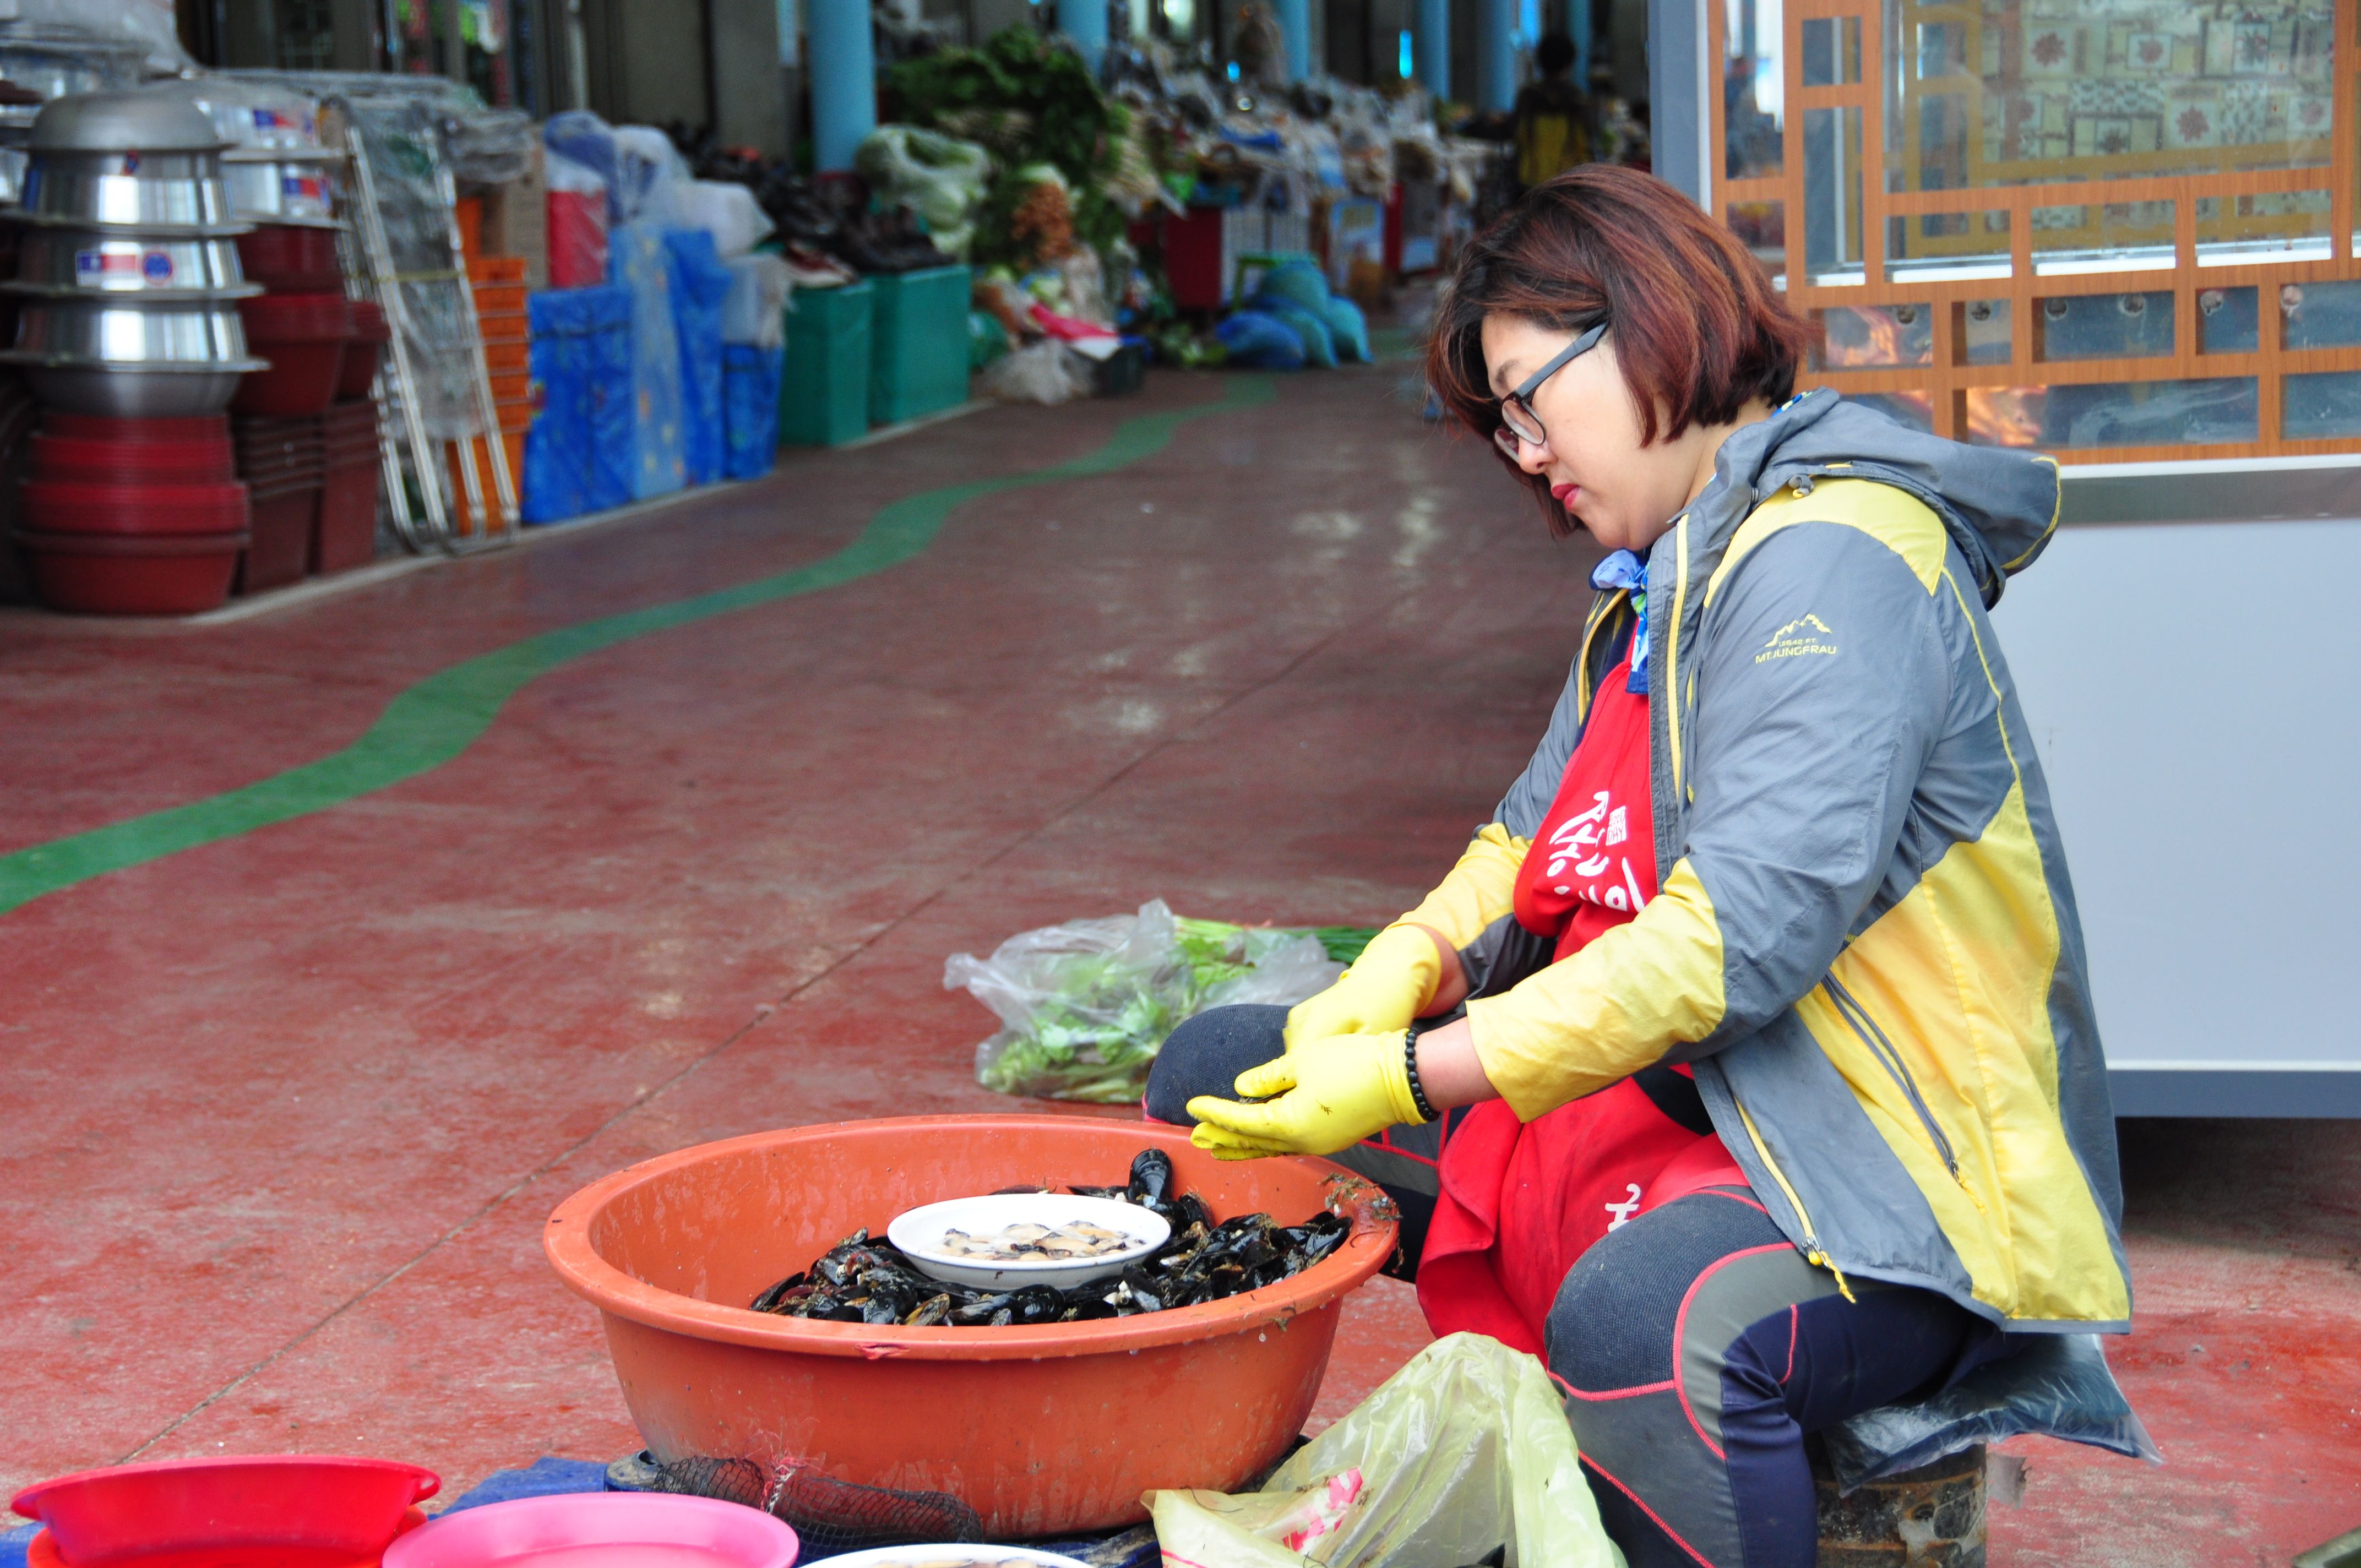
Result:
pixel 1694 1345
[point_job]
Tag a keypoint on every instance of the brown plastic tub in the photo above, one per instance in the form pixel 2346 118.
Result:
pixel 1039 1430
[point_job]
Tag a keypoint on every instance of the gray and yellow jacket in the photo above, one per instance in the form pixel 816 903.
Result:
pixel 1865 940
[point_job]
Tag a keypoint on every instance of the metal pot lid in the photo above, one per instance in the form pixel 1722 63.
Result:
pixel 281 155
pixel 124 122
pixel 130 298
pixel 36 357
pixel 253 119
pixel 125 231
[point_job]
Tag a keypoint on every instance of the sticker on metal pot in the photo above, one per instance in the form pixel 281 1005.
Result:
pixel 121 266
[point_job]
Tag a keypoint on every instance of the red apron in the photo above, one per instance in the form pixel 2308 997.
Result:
pixel 1522 1200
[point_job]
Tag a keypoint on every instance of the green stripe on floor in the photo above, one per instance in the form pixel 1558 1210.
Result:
pixel 442 716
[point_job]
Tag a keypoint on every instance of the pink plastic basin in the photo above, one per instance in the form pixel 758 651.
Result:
pixel 1039 1430
pixel 599 1530
pixel 277 1508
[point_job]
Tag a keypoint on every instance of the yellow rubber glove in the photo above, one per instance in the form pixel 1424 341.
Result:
pixel 1332 1094
pixel 1385 989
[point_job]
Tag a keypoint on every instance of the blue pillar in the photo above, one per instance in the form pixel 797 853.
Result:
pixel 1496 54
pixel 1085 22
pixel 1431 47
pixel 1295 26
pixel 1577 22
pixel 843 75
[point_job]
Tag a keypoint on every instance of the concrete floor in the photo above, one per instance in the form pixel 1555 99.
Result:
pixel 285 1110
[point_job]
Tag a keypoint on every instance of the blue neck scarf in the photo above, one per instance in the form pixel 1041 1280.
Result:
pixel 1624 570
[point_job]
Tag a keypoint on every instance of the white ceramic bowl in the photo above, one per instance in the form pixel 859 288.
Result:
pixel 959 1554
pixel 920 1235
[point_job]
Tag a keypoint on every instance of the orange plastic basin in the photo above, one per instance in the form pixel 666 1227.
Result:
pixel 1040 1430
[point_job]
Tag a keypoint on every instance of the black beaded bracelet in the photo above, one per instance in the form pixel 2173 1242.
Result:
pixel 1409 1065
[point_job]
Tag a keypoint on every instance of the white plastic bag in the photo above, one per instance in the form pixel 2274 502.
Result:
pixel 755 312
pixel 1463 1453
pixel 726 211
pixel 1047 372
pixel 1086 1006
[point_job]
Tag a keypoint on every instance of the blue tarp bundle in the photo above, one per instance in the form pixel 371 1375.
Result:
pixel 750 397
pixel 581 367
pixel 612 405
pixel 700 285
pixel 638 258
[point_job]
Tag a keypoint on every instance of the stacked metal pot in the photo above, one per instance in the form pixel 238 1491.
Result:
pixel 128 289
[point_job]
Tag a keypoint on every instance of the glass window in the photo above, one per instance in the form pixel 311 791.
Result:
pixel 2028 92
pixel 1754 89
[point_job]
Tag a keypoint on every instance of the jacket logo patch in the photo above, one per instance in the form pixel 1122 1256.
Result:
pixel 1809 635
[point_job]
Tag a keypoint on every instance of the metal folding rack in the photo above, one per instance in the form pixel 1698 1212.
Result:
pixel 431 311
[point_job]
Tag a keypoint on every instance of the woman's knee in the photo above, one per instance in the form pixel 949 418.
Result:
pixel 1205 1054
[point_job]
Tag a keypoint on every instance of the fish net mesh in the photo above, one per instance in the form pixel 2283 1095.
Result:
pixel 829 1516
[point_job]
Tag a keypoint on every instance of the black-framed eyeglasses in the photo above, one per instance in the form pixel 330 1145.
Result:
pixel 1520 427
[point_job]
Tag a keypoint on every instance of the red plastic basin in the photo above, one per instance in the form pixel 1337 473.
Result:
pixel 284 516
pixel 370 335
pixel 50 506
pixel 73 458
pixel 1042 1430
pixel 288 259
pixel 314 1509
pixel 139 573
pixel 344 529
pixel 303 337
pixel 99 427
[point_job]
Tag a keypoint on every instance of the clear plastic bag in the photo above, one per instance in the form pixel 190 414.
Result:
pixel 1462 1453
pixel 2054 1385
pixel 577 225
pixel 1047 372
pixel 1086 1006
pixel 939 178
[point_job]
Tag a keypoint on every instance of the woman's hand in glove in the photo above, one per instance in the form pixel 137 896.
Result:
pixel 1394 980
pixel 1331 1093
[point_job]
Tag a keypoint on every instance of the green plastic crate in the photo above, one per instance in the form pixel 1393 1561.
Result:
pixel 918 343
pixel 824 390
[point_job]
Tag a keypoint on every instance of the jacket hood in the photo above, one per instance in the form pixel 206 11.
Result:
pixel 2000 507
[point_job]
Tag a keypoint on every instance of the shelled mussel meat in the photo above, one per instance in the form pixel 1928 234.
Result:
pixel 864 1279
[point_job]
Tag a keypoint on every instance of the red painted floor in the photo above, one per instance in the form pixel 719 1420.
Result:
pixel 285 1112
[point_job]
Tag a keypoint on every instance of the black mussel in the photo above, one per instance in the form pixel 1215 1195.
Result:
pixel 981 1310
pixel 1037 1304
pixel 1120 1194
pixel 879 1310
pixel 932 1311
pixel 1003 1318
pixel 768 1301
pixel 1143 1289
pixel 1151 1177
pixel 1188 1209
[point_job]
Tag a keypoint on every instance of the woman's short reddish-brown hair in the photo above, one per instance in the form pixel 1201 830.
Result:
pixel 1698 328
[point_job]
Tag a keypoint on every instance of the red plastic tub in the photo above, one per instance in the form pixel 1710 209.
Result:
pixel 274 1511
pixel 344 531
pixel 120 573
pixel 372 332
pixel 287 259
pixel 303 337
pixel 1044 1430
pixel 284 516
pixel 74 460
pixel 99 427
pixel 50 506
